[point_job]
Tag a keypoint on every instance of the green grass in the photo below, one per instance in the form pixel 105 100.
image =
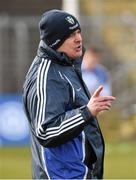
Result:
pixel 15 163
pixel 120 162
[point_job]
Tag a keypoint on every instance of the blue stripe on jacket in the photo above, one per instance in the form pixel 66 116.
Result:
pixel 66 160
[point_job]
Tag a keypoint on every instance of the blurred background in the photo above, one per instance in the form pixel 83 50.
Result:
pixel 107 25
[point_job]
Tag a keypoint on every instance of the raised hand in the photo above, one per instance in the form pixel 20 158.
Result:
pixel 98 103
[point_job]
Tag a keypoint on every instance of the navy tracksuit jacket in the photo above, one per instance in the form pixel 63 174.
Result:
pixel 66 140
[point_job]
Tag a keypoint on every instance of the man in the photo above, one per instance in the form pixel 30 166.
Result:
pixel 94 73
pixel 66 139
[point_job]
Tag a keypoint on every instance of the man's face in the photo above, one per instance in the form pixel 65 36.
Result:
pixel 72 46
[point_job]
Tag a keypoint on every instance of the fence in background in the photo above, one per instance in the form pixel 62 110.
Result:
pixel 17 46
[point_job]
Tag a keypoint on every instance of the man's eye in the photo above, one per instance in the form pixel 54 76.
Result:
pixel 71 35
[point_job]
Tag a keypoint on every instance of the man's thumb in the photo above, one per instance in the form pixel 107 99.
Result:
pixel 98 91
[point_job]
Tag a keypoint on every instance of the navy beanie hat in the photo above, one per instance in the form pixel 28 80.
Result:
pixel 55 26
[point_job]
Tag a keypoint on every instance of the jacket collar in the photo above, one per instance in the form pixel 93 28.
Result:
pixel 57 57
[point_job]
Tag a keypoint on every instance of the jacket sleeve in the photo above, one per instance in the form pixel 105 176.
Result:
pixel 55 125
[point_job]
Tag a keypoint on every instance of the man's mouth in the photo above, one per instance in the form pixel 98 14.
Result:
pixel 79 48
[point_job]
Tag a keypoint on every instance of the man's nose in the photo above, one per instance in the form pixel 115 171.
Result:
pixel 78 37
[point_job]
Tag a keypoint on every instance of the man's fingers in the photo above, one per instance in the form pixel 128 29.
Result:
pixel 99 103
pixel 104 103
pixel 106 98
pixel 98 91
pixel 103 107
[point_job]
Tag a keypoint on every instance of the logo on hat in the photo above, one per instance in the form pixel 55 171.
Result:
pixel 70 20
pixel 55 43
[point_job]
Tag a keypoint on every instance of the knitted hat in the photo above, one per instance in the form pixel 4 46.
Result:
pixel 55 26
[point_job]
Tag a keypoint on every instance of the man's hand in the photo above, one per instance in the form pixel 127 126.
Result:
pixel 99 103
